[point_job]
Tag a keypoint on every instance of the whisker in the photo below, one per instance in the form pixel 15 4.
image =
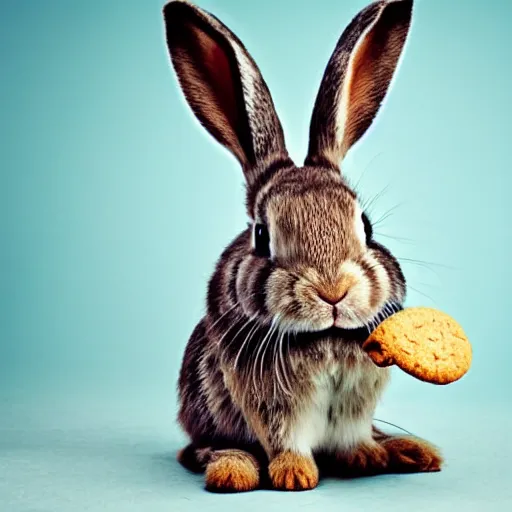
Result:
pixel 396 426
pixel 275 362
pixel 257 354
pixel 288 351
pixel 395 308
pixel 218 320
pixel 424 294
pixel 397 238
pixel 356 187
pixel 387 214
pixel 267 344
pixel 237 304
pixel 240 316
pixel 246 341
pixel 235 322
pixel 276 367
pixel 245 324
pixel 368 204
pixel 380 317
pixel 423 264
pixel 229 310
pixel 428 285
pixel 426 263
pixel 374 322
pixel 386 311
pixel 280 363
pixel 285 366
pixel 356 316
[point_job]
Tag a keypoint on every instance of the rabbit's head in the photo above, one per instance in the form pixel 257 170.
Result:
pixel 311 262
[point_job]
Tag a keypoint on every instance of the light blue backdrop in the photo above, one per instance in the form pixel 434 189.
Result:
pixel 115 205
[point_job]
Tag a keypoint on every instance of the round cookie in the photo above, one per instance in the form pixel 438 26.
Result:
pixel 424 342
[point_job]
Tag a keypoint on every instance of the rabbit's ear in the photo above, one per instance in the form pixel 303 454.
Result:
pixel 223 86
pixel 356 79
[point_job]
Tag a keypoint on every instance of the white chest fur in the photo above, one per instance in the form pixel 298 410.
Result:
pixel 338 414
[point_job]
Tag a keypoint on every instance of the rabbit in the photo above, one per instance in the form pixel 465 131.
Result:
pixel 274 388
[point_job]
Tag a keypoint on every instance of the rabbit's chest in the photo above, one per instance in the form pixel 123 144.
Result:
pixel 337 414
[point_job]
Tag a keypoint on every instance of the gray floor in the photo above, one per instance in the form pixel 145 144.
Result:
pixel 111 455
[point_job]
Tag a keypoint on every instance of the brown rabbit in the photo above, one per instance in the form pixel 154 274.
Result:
pixel 274 384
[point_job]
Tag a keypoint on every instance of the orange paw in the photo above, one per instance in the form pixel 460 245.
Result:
pixel 293 472
pixel 367 459
pixel 410 455
pixel 232 471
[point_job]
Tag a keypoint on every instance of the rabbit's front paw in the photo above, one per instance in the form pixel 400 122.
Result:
pixel 293 472
pixel 232 471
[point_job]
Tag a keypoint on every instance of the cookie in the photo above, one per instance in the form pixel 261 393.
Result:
pixel 425 343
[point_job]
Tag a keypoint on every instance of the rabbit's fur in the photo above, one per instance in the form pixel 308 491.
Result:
pixel 274 383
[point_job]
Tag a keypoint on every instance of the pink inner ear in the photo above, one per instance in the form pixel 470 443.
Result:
pixel 373 67
pixel 221 79
pixel 365 91
pixel 215 92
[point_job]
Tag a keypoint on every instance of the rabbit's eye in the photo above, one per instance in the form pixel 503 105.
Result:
pixel 368 229
pixel 261 241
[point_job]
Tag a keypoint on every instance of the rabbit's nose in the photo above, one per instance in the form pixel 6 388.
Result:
pixel 332 298
pixel 335 292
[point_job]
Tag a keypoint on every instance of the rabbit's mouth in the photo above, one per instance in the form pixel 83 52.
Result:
pixel 357 334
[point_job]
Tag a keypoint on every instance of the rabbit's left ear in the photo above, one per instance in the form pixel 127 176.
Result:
pixel 224 86
pixel 356 79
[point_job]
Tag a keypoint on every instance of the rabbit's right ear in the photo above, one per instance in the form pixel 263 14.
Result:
pixel 356 79
pixel 223 86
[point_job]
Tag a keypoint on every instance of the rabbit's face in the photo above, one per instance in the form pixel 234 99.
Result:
pixel 315 265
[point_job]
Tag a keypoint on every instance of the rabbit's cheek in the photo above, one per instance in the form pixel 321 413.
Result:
pixel 281 293
pixel 251 286
pixel 379 281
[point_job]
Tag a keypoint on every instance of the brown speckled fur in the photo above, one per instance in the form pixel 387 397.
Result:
pixel 274 383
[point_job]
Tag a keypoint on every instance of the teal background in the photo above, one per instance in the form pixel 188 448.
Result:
pixel 115 205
